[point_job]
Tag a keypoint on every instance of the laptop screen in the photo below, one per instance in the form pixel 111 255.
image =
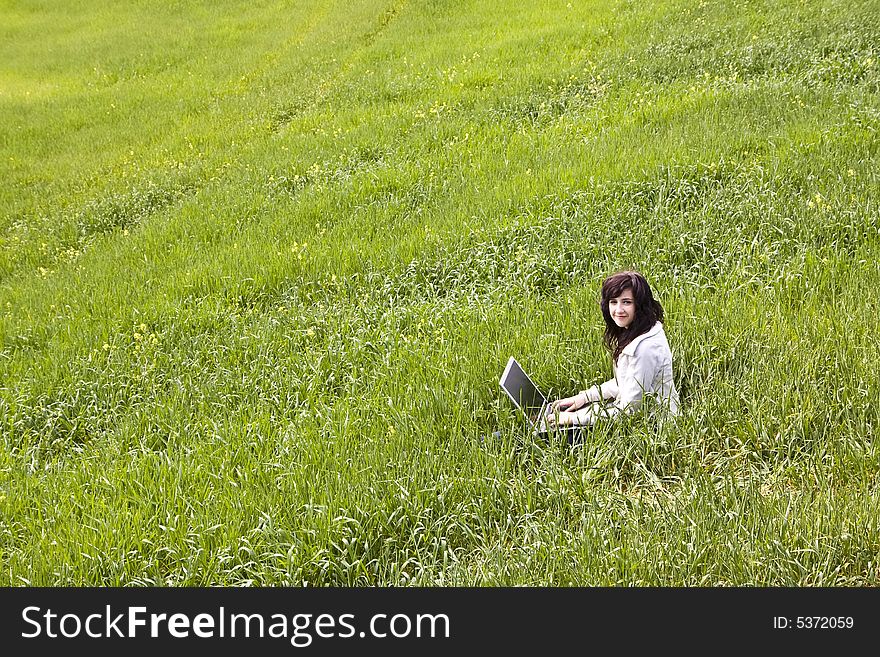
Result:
pixel 521 389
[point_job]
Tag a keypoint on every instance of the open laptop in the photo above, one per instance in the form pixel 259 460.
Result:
pixel 525 395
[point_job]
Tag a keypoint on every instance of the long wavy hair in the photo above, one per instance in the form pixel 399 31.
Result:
pixel 648 310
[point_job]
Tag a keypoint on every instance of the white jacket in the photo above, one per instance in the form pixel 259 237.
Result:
pixel 644 367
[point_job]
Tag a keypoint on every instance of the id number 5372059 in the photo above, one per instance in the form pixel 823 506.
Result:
pixel 813 623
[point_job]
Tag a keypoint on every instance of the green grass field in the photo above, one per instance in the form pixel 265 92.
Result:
pixel 261 267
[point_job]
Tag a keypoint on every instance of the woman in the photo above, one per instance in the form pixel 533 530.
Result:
pixel 642 360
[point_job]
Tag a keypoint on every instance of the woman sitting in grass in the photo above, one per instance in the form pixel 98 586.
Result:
pixel 642 360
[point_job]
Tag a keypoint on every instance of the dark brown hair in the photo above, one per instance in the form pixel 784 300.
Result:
pixel 648 310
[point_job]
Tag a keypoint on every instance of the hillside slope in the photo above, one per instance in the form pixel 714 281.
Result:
pixel 260 269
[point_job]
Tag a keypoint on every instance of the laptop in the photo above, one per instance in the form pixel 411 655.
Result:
pixel 525 395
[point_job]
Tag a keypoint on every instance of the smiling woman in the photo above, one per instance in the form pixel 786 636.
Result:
pixel 641 357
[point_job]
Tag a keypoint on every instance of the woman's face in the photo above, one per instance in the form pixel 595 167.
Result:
pixel 623 308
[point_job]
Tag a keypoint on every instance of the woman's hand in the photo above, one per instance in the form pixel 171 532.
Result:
pixel 568 404
pixel 561 412
pixel 561 419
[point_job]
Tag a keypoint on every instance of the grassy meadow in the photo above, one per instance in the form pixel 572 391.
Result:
pixel 262 264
